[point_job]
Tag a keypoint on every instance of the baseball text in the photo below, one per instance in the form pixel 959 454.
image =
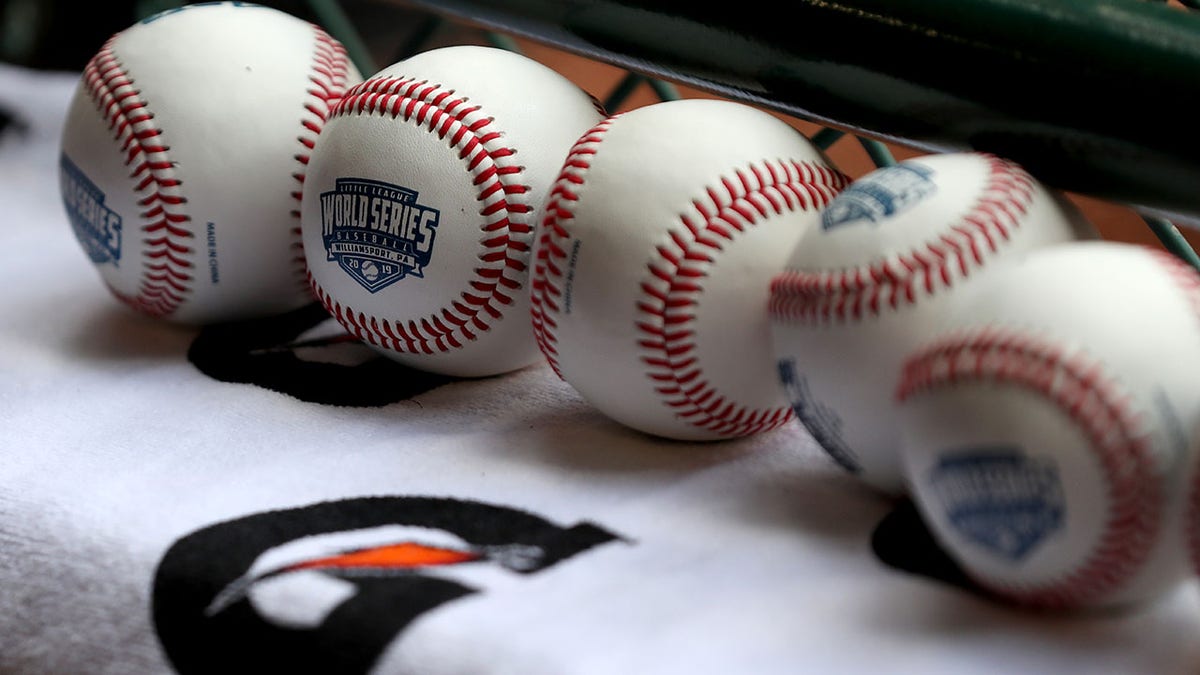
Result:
pixel 211 238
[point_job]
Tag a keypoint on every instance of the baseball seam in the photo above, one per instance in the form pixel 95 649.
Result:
pixel 328 75
pixel 166 279
pixel 1183 276
pixel 1079 388
pixel 904 277
pixel 504 231
pixel 548 274
pixel 674 285
pixel 1186 279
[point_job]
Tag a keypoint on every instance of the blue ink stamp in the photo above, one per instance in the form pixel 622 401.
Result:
pixel 377 232
pixel 96 226
pixel 822 423
pixel 999 498
pixel 883 193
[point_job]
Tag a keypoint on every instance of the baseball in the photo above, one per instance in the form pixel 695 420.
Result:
pixel 183 156
pixel 892 252
pixel 1048 426
pixel 653 261
pixel 421 200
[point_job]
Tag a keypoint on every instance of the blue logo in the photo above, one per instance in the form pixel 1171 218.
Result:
pixel 880 194
pixel 822 423
pixel 1000 499
pixel 377 232
pixel 96 226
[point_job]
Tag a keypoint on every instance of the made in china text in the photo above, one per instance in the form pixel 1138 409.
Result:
pixel 378 233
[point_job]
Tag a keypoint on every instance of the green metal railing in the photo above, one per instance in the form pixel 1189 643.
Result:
pixel 333 17
pixel 335 20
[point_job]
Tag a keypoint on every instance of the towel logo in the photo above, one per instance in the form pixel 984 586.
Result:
pixel 326 587
pixel 308 355
pixel 880 194
pixel 96 226
pixel 376 232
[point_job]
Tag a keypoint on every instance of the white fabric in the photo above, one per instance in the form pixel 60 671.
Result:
pixel 739 557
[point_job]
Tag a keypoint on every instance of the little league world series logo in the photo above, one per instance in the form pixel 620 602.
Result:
pixel 882 194
pixel 96 226
pixel 1000 499
pixel 377 232
pixel 820 420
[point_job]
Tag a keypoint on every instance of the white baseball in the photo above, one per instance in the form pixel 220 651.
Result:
pixel 183 155
pixel 1048 426
pixel 653 263
pixel 892 253
pixel 421 200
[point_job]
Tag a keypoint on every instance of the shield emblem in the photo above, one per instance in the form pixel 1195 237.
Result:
pixel 378 233
pixel 880 194
pixel 1000 499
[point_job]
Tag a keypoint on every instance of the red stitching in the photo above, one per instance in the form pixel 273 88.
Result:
pixel 166 278
pixel 1079 387
pixel 900 279
pixel 550 261
pixel 1187 280
pixel 1182 275
pixel 738 204
pixel 329 73
pixel 734 204
pixel 504 211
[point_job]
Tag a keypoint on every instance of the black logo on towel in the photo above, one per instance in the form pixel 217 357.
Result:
pixel 324 588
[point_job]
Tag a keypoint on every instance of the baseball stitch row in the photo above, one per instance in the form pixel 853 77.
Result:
pixel 675 285
pixel 549 265
pixel 852 293
pixel 1186 279
pixel 327 77
pixel 505 233
pixel 1079 388
pixel 1183 276
pixel 166 251
pixel 749 196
